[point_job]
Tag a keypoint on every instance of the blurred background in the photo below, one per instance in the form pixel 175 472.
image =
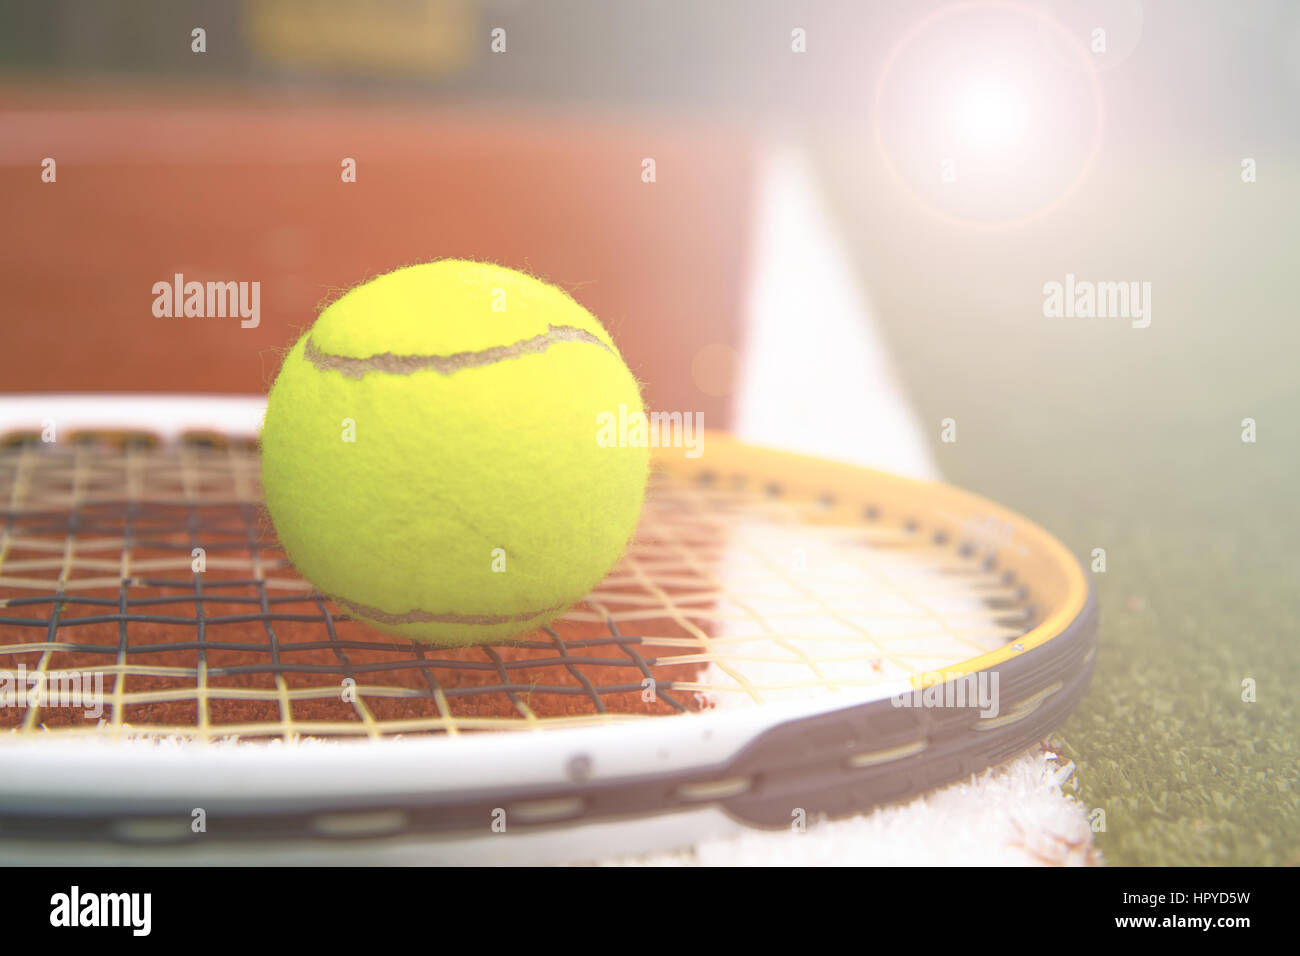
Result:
pixel 970 153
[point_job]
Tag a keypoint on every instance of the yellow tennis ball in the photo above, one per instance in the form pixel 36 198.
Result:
pixel 431 453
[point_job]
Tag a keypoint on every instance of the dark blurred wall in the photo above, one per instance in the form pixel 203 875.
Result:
pixel 1202 68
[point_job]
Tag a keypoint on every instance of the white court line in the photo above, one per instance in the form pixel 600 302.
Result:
pixel 165 415
pixel 815 376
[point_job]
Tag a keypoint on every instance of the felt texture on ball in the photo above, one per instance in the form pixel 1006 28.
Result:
pixel 431 456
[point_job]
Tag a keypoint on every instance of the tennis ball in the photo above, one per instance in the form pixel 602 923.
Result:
pixel 430 452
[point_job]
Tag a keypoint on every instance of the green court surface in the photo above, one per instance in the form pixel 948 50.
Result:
pixel 1130 440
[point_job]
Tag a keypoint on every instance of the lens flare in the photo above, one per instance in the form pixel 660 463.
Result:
pixel 990 114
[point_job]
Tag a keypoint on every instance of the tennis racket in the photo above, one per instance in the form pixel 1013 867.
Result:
pixel 786 639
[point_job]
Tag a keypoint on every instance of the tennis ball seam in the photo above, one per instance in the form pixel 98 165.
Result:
pixel 391 364
pixel 421 616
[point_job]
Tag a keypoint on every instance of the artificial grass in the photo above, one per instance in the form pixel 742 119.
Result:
pixel 1130 440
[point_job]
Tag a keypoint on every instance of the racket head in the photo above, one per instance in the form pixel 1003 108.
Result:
pixel 759 653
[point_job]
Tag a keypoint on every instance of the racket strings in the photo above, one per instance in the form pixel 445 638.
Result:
pixel 151 569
